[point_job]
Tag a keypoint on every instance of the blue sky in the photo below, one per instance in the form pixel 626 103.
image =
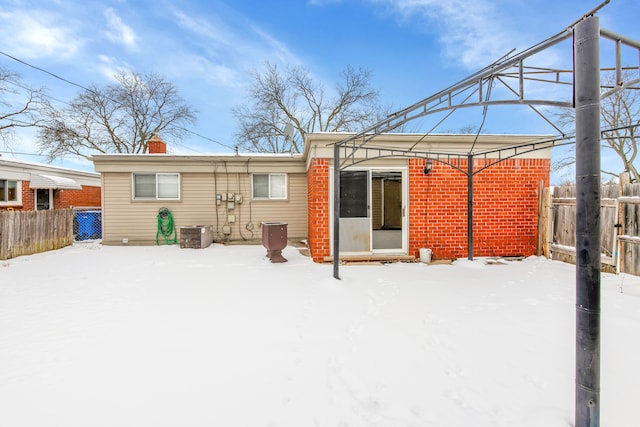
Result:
pixel 208 49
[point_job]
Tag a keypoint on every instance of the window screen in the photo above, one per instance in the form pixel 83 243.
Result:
pixel 354 194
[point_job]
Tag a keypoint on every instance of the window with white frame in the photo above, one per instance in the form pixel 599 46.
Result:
pixel 156 186
pixel 269 186
pixel 10 192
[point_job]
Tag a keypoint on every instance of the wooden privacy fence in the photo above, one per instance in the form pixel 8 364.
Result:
pixel 620 226
pixel 30 232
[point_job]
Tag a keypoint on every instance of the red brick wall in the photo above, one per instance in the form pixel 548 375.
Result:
pixel 318 209
pixel 88 196
pixel 505 208
pixel 28 198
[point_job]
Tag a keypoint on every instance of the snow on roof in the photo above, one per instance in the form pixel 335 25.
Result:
pixel 42 166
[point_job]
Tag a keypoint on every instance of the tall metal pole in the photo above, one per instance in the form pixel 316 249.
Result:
pixel 470 207
pixel 586 51
pixel 336 211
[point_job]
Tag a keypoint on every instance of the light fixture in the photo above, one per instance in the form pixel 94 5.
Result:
pixel 428 167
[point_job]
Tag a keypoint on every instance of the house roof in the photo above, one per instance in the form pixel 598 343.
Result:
pixel 47 176
pixel 386 145
pixel 316 145
pixel 221 162
pixel 448 142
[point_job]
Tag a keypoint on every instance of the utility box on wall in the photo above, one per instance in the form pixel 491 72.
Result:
pixel 196 236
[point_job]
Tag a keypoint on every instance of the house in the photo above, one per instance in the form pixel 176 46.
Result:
pixel 233 193
pixel 390 205
pixel 28 186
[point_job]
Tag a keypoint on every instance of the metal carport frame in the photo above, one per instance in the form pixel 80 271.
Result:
pixel 586 35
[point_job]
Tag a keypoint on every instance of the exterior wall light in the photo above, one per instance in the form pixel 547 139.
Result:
pixel 428 167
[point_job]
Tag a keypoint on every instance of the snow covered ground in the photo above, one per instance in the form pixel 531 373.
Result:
pixel 163 336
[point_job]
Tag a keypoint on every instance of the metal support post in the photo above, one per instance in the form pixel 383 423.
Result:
pixel 470 207
pixel 336 211
pixel 587 107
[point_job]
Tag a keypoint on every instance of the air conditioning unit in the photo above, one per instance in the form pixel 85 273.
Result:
pixel 196 236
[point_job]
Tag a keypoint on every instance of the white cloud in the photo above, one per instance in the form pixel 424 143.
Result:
pixel 118 31
pixel 110 67
pixel 195 66
pixel 231 44
pixel 322 2
pixel 471 31
pixel 210 28
pixel 276 49
pixel 36 35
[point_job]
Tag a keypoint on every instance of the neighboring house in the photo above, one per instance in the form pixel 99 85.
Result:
pixel 389 206
pixel 28 186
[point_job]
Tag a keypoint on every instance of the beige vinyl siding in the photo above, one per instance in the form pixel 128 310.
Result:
pixel 293 211
pixel 136 220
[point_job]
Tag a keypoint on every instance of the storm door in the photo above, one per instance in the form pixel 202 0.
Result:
pixel 372 211
pixel 44 199
pixel 355 220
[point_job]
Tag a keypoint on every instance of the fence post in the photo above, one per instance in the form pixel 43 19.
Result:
pixel 623 179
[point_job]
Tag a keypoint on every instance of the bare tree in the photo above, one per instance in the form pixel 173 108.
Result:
pixel 620 123
pixel 118 118
pixel 468 129
pixel 620 113
pixel 291 100
pixel 20 105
